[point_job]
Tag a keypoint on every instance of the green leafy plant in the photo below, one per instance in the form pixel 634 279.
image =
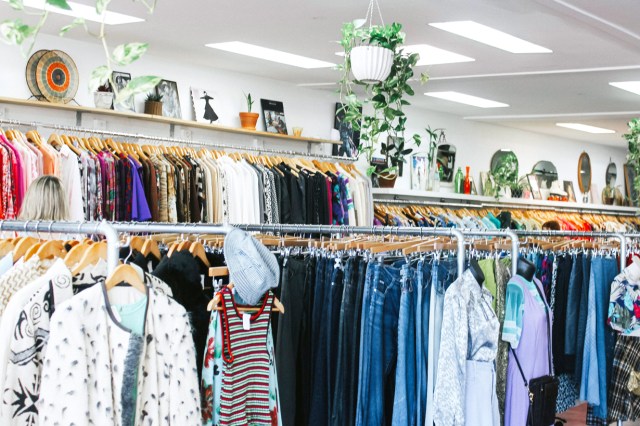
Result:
pixel 633 156
pixel 153 97
pixel 505 175
pixel 16 32
pixel 250 101
pixel 385 101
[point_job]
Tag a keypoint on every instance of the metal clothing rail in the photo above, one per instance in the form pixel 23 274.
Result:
pixel 515 242
pixel 176 141
pixel 101 228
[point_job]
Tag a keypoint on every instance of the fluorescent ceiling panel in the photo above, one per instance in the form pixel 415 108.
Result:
pixel 270 54
pixel 585 128
pixel 430 55
pixel 490 36
pixel 629 86
pixel 467 99
pixel 88 13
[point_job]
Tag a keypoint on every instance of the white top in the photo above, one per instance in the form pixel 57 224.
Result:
pixel 70 177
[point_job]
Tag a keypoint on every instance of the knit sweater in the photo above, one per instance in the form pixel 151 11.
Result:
pixel 91 361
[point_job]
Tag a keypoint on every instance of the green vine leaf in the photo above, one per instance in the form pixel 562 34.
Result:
pixel 76 22
pixel 101 6
pixel 17 4
pixel 137 85
pixel 15 31
pixel 127 53
pixel 61 4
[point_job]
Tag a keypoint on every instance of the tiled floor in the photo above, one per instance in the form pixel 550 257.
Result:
pixel 576 417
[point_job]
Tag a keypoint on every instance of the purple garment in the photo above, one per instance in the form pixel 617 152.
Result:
pixel 139 206
pixel 532 352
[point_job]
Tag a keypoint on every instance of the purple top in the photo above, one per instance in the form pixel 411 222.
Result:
pixel 139 206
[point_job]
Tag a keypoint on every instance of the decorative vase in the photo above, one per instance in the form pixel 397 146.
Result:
pixel 371 64
pixel 467 182
pixel 153 108
pixel 458 181
pixel 248 120
pixel 387 180
pixel 103 100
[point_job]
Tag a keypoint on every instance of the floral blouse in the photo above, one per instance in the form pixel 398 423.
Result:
pixel 624 304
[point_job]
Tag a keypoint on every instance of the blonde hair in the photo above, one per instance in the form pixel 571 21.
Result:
pixel 45 199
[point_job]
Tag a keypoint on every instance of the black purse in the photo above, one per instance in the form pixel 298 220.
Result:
pixel 543 390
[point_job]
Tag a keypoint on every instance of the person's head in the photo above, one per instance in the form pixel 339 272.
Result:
pixel 45 199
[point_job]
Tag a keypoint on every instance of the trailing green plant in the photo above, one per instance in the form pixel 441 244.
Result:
pixel 16 32
pixel 250 101
pixel 387 99
pixel 505 174
pixel 153 97
pixel 435 136
pixel 633 156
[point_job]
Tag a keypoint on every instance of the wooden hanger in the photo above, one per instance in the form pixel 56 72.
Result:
pixel 51 249
pixel 75 254
pixel 197 250
pixel 32 251
pixel 136 243
pixel 150 246
pixel 96 252
pixel 22 246
pixel 214 304
pixel 128 274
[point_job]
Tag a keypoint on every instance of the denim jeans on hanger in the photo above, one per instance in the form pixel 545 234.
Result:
pixel 444 273
pixel 573 305
pixel 362 279
pixel 423 298
pixel 304 385
pixel 404 403
pixel 336 287
pixel 582 315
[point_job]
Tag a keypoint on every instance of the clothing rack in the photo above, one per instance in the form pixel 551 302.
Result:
pixel 101 228
pixel 177 141
pixel 515 242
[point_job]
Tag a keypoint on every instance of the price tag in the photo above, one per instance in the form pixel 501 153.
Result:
pixel 246 321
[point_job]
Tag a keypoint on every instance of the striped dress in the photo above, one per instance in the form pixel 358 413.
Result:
pixel 244 399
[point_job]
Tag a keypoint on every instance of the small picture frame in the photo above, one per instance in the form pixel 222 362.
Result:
pixel 273 115
pixel 419 168
pixel 120 80
pixel 535 186
pixel 568 188
pixel 204 105
pixel 170 99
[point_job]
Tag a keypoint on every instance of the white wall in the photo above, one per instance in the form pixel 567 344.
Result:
pixel 311 109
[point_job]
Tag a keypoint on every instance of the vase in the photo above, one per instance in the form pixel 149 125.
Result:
pixel 467 182
pixel 248 120
pixel 103 100
pixel 458 181
pixel 371 64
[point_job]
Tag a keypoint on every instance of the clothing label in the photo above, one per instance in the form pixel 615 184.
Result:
pixel 202 281
pixel 246 321
pixel 149 267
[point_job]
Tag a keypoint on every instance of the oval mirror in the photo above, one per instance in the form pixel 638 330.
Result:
pixel 446 159
pixel 584 173
pixel 612 175
pixel 546 172
pixel 504 165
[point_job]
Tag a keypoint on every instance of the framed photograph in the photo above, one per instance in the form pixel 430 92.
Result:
pixel 204 105
pixel 568 188
pixel 350 138
pixel 273 114
pixel 535 186
pixel 629 180
pixel 419 167
pixel 120 80
pixel 170 100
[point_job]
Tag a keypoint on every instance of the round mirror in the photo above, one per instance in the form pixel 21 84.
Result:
pixel 612 175
pixel 546 172
pixel 504 166
pixel 446 159
pixel 584 173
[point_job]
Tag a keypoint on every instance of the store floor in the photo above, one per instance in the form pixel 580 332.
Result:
pixel 577 417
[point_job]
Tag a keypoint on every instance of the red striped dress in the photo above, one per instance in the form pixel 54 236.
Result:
pixel 244 399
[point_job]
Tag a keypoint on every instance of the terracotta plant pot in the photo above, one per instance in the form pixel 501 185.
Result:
pixel 153 108
pixel 248 120
pixel 387 180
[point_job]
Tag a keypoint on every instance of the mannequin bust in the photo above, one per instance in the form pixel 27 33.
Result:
pixel 526 269
pixel 476 271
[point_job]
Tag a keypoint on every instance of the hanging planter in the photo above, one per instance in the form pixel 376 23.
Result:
pixel 371 64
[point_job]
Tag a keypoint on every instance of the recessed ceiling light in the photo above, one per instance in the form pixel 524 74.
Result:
pixel 430 55
pixel 584 128
pixel 492 37
pixel 629 86
pixel 85 12
pixel 270 54
pixel 467 99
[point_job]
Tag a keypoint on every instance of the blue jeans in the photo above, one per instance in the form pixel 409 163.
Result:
pixel 404 404
pixel 423 299
pixel 377 396
pixel 336 287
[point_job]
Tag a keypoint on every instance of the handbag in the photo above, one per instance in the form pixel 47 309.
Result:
pixel 543 390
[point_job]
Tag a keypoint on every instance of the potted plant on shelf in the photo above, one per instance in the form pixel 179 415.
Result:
pixel 505 177
pixel 103 96
pixel 248 119
pixel 381 109
pixel 153 104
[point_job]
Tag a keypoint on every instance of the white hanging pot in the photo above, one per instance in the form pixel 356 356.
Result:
pixel 371 64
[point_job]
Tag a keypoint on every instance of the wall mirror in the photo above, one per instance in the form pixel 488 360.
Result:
pixel 584 173
pixel 446 159
pixel 504 165
pixel 546 172
pixel 611 175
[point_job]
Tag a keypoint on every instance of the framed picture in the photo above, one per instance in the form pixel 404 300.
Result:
pixel 629 180
pixel 568 188
pixel 535 186
pixel 419 167
pixel 204 105
pixel 350 138
pixel 273 114
pixel 170 100
pixel 120 80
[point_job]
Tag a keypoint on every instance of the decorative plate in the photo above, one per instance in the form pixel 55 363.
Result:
pixel 57 77
pixel 31 71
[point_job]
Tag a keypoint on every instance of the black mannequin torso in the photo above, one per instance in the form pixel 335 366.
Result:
pixel 526 269
pixel 476 271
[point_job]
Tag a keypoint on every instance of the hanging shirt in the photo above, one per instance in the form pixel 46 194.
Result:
pixel 624 302
pixel 70 177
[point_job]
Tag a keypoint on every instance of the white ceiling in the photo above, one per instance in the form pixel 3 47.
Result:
pixel 593 42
